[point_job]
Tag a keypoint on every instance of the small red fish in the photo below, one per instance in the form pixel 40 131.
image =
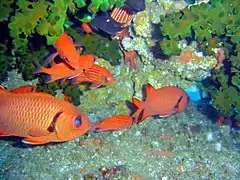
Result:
pixel 40 118
pixel 67 51
pixel 114 123
pixel 97 75
pixel 62 71
pixel 163 102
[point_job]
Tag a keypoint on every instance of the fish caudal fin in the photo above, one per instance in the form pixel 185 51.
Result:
pixel 37 70
pixel 139 104
pixel 142 113
pixel 50 58
pixel 51 78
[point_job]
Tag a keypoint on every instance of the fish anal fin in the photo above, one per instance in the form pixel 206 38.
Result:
pixel 4 134
pixel 38 132
pixel 144 114
pixel 137 102
pixel 94 86
pixel 35 141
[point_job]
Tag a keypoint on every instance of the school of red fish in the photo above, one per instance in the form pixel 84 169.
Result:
pixel 41 118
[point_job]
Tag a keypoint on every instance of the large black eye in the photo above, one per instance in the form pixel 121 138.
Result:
pixel 78 121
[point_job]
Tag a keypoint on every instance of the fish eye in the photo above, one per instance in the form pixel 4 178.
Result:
pixel 107 79
pixel 95 59
pixel 78 121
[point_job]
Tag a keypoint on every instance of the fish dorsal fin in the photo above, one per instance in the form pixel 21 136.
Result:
pixel 3 89
pixel 24 89
pixel 150 91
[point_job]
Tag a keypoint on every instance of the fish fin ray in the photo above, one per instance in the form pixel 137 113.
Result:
pixel 150 91
pixel 35 141
pixel 38 69
pixel 50 57
pixel 138 103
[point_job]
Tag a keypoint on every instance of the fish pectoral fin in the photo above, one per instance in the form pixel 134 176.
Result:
pixel 35 141
pixel 38 132
pixel 4 134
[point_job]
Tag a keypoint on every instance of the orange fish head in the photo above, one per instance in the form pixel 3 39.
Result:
pixel 107 77
pixel 70 126
pixel 108 80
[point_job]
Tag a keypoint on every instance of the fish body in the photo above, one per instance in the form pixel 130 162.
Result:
pixel 114 123
pixel 97 75
pixel 163 102
pixel 40 118
pixel 67 51
pixel 62 71
pixel 58 71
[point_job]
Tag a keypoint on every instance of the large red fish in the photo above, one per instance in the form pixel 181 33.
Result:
pixel 163 102
pixel 40 118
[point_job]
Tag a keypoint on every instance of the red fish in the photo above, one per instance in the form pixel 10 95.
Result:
pixel 62 71
pixel 40 118
pixel 163 102
pixel 67 51
pixel 114 123
pixel 97 75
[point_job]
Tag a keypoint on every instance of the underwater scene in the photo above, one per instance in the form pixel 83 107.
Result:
pixel 119 89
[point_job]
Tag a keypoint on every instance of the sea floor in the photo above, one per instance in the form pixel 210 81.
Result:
pixel 183 146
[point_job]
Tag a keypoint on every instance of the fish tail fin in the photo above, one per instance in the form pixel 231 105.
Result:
pixel 142 113
pixel 38 69
pixel 51 78
pixel 139 104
